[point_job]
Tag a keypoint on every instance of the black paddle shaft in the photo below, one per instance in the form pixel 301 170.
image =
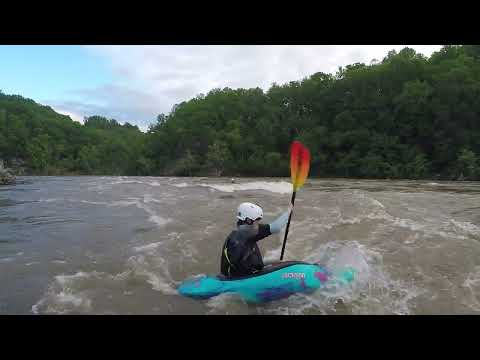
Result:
pixel 288 225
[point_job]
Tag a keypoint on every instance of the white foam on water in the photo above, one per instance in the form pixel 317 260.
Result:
pixel 123 276
pixel 466 227
pixel 50 200
pixel 472 285
pixel 174 235
pixel 372 209
pixel 182 185
pixel 352 221
pixel 148 247
pixel 158 283
pixel 123 203
pixel 59 262
pixel 100 187
pixel 373 290
pixel 208 229
pixel 297 305
pixel 35 307
pixel 147 198
pixel 407 224
pixel 76 301
pixel 433 184
pixel 148 183
pixel 158 220
pixel 153 183
pixel 65 295
pixel 188 254
pixel 377 292
pixel 411 239
pixel 72 293
pixel 338 256
pixel 225 304
pixel 362 207
pixel 63 303
pixel 377 203
pixel 121 182
pixel 321 301
pixel 65 280
pixel 279 187
pixel 7 259
pixel 154 217
pixel 118 203
pixel 186 245
pixel 155 270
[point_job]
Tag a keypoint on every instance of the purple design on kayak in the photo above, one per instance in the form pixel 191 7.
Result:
pixel 275 293
pixel 321 276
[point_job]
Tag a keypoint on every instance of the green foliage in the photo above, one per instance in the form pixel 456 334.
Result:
pixel 88 159
pixel 419 167
pixel 99 122
pixel 468 166
pixel 406 116
pixel 186 166
pixel 53 144
pixel 218 156
pixel 39 152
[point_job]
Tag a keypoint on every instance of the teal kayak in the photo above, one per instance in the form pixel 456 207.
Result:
pixel 274 282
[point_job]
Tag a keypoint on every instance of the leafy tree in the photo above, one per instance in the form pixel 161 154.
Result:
pixel 419 167
pixel 218 156
pixel 468 164
pixel 406 116
pixel 39 152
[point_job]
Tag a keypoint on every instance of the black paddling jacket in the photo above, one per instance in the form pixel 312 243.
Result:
pixel 240 253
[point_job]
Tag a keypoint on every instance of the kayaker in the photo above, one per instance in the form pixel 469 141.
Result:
pixel 240 252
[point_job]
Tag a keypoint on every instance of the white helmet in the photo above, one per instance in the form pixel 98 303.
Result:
pixel 249 210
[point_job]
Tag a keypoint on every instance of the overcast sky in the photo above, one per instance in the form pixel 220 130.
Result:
pixel 136 83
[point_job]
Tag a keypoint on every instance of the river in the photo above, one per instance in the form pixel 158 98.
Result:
pixel 122 245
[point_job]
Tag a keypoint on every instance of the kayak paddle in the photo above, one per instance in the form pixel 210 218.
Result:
pixel 299 166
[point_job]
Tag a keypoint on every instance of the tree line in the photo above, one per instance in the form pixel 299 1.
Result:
pixel 406 116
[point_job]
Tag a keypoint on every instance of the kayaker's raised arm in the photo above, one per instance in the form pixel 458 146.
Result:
pixel 281 221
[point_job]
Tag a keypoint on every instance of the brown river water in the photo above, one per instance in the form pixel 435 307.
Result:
pixel 122 245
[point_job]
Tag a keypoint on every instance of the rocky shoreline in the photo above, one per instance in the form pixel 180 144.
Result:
pixel 6 175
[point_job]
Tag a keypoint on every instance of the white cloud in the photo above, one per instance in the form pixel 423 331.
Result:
pixel 73 115
pixel 150 79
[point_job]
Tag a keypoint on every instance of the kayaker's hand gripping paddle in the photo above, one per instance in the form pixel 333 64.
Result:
pixel 299 166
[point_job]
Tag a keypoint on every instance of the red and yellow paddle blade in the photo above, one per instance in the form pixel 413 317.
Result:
pixel 299 164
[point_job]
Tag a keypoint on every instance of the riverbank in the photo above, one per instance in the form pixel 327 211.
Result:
pixel 6 175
